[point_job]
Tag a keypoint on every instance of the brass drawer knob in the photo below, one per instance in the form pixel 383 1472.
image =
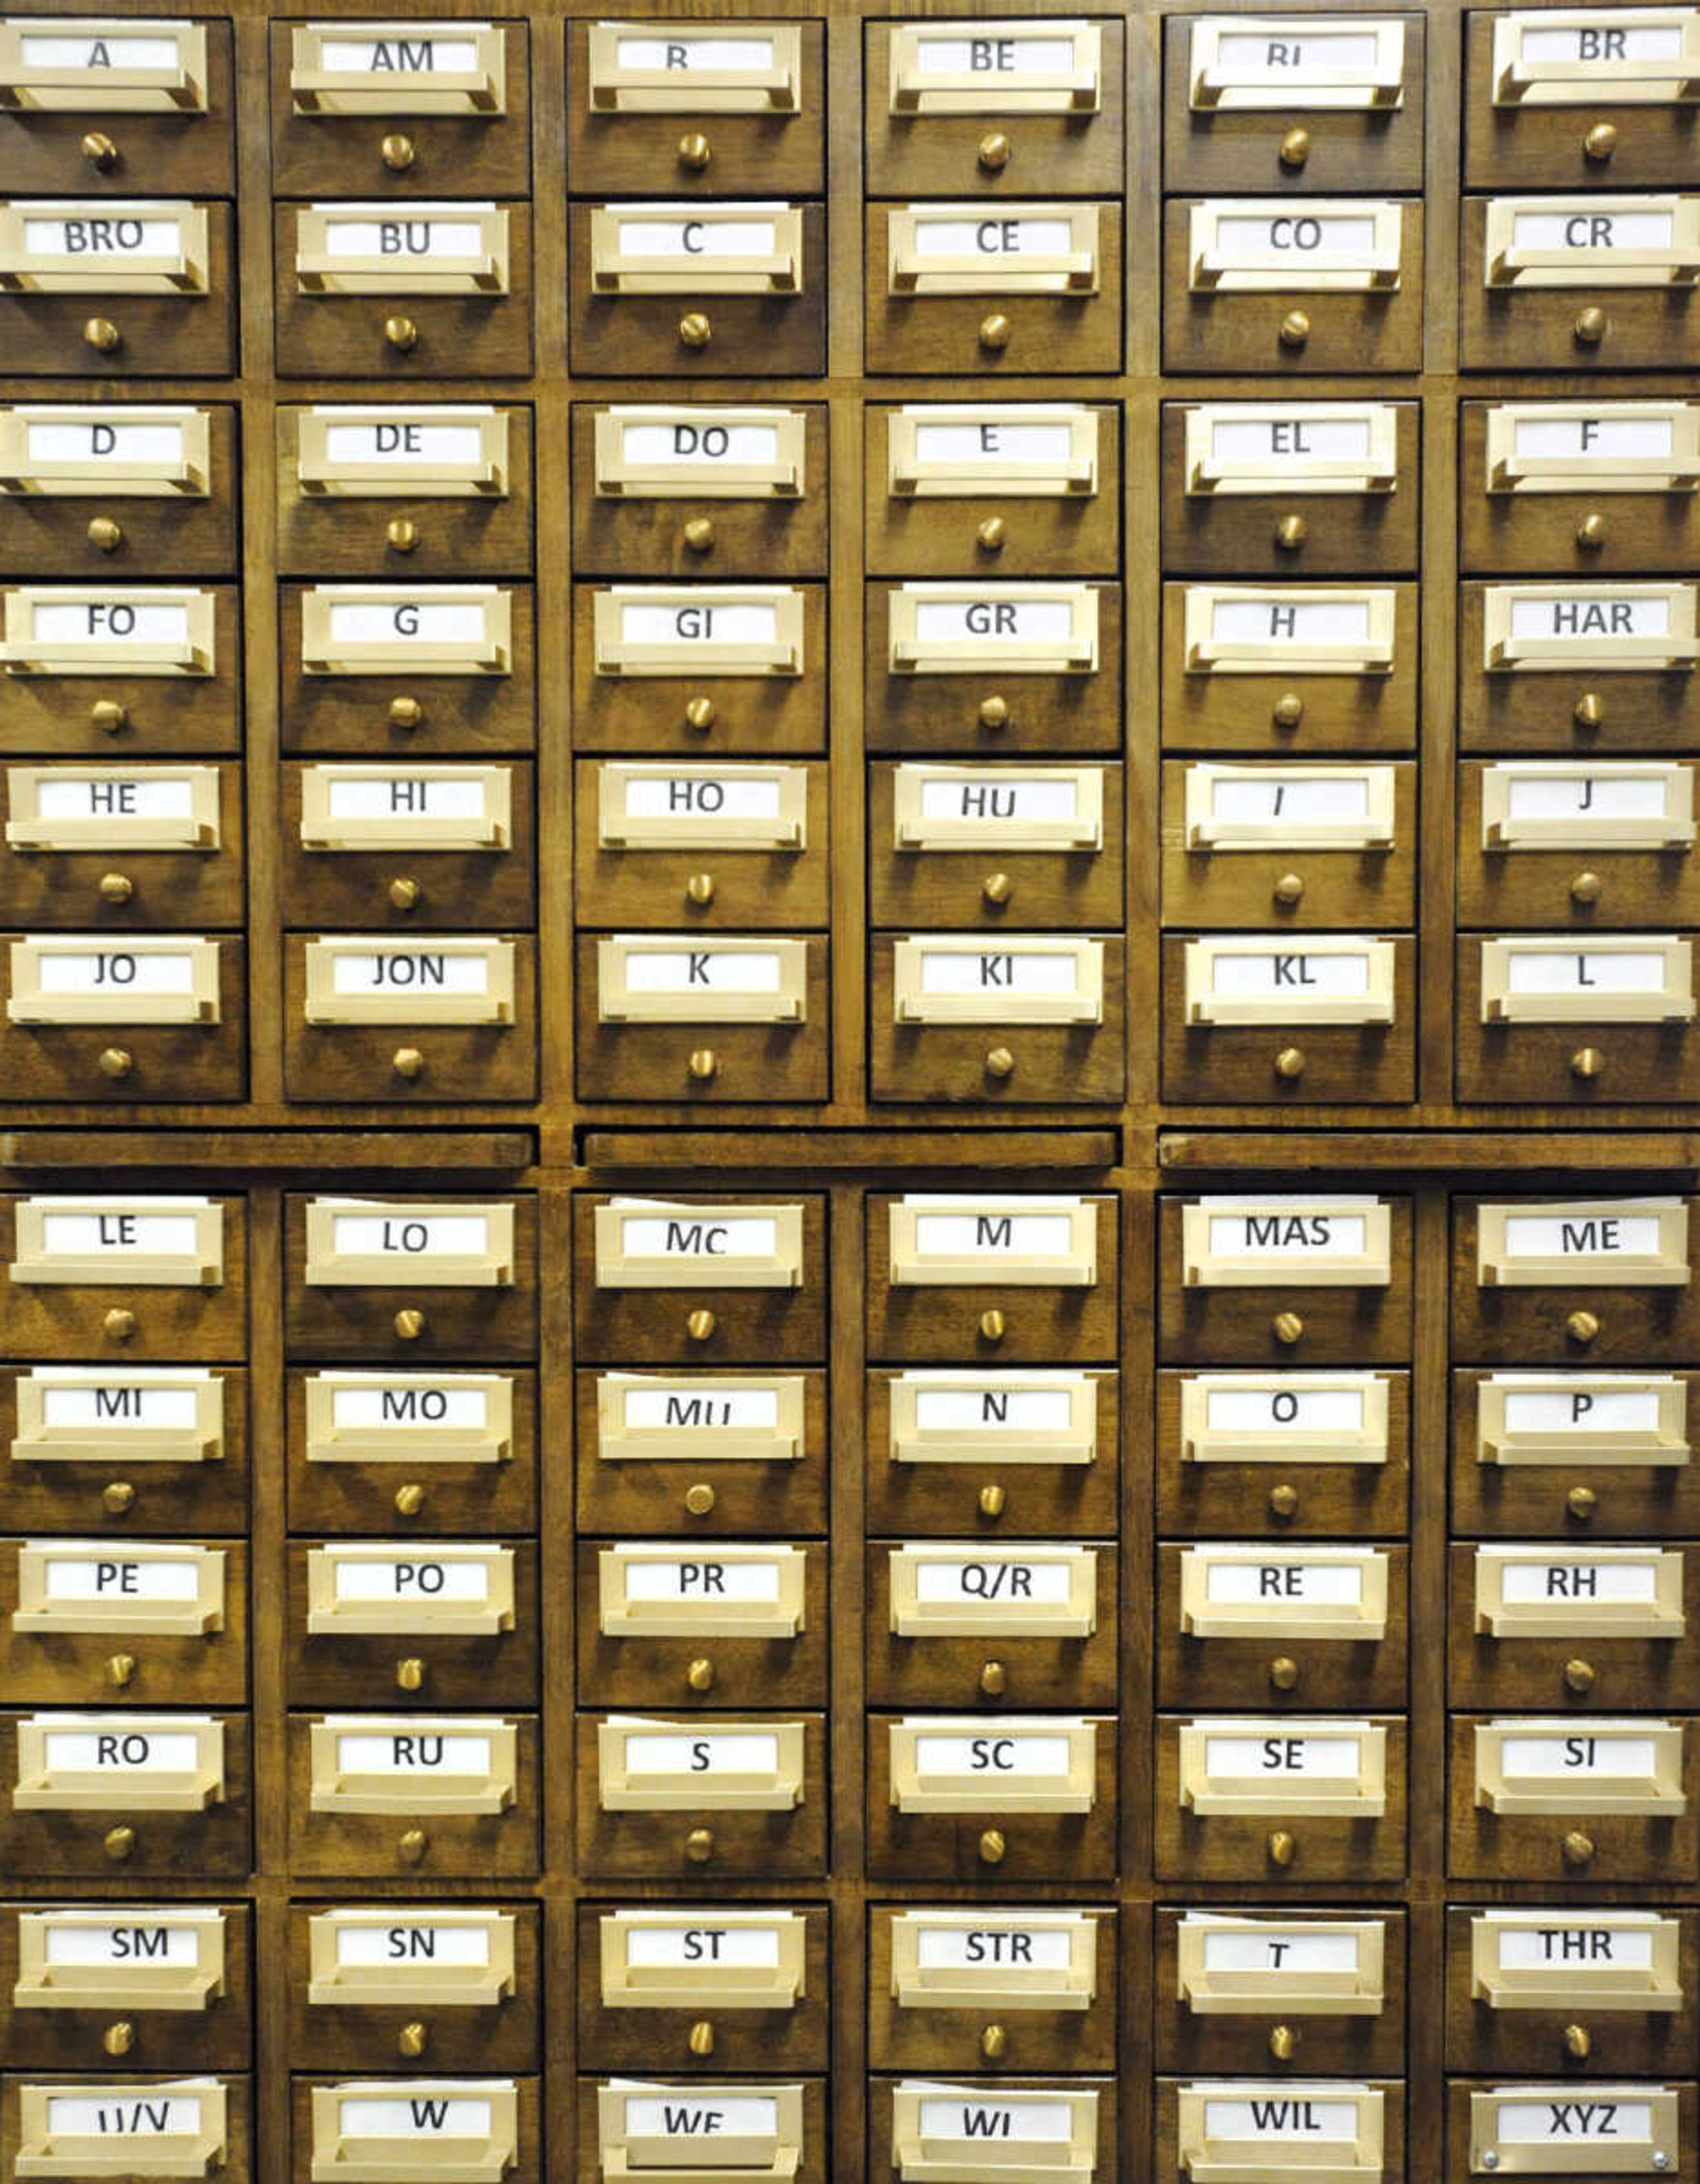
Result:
pixel 108 716
pixel 405 713
pixel 118 1497
pixel 1287 1328
pixel 100 151
pixel 1591 326
pixel 1581 1503
pixel 401 332
pixel 989 535
pixel 995 331
pixel 1582 1326
pixel 116 1062
pixel 408 1063
pixel 700 714
pixel 1288 710
pixel 410 1499
pixel 700 2037
pixel 403 894
pixel 992 1846
pixel 699 1498
pixel 1587 1062
pixel 699 889
pixel 1591 533
pixel 993 2042
pixel 990 1500
pixel 1578 2042
pixel 105 535
pixel 997 887
pixel 409 1673
pixel 401 534
pixel 993 154
pixel 699 535
pixel 699 1324
pixel 121 1668
pixel 1284 2042
pixel 702 1064
pixel 1295 148
pixel 411 1845
pixel 1289 1063
pixel 1295 329
pixel 695 331
pixel 1579 1675
pixel 1587 888
pixel 116 887
pixel 1600 142
pixel 994 713
pixel 992 1679
pixel 1288 889
pixel 699 1676
pixel 101 334
pixel 1283 1847
pixel 1283 1502
pixel 119 1325
pixel 118 1843
pixel 411 2039
pixel 695 151
pixel 1291 533
pixel 119 2038
pixel 409 1324
pixel 993 1325
pixel 397 153
pixel 999 1063
pixel 1588 712
pixel 1578 1849
pixel 1284 1672
pixel 699 1846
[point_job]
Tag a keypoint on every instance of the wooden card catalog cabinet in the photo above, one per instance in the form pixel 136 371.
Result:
pixel 1240 448
pixel 156 1763
pixel 1606 628
pixel 1630 978
pixel 1595 1960
pixel 441 452
pixel 995 1960
pixel 1633 1243
pixel 383 2130
pixel 1232 1966
pixel 351 1241
pixel 650 1591
pixel 650 1766
pixel 1615 1418
pixel 1240 2130
pixel 1030 1590
pixel 364 978
pixel 1301 62
pixel 655 452
pixel 1284 1417
pixel 956 2134
pixel 994 1418
pixel 410 1418
pixel 1019 250
pixel 986 810
pixel 1022 450
pixel 1550 805
pixel 649 1244
pixel 104 247
pixel 392 250
pixel 697 248
pixel 122 2127
pixel 699 629
pixel 1585 57
pixel 995 67
pixel 1580 1592
pixel 979 629
pixel 71 1585
pixel 701 807
pixel 1264 1768
pixel 156 1242
pixel 1019 1764
pixel 660 1958
pixel 63 630
pixel 1284 1592
pixel 1019 979
pixel 1258 808
pixel 366 1587
pixel 441 629
pixel 1631 1765
pixel 102 64
pixel 1254 245
pixel 112 807
pixel 1567 2130
pixel 1254 979
pixel 412 1764
pixel 439 806
pixel 1317 1242
pixel 647 977
pixel 82 978
pixel 690 68
pixel 146 1414
pixel 73 450
pixel 445 1956
pixel 744 2132
pixel 1592 447
pixel 1234 630
pixel 1009 1242
pixel 128 1957
pixel 397 68
pixel 661 1418
pixel 1641 242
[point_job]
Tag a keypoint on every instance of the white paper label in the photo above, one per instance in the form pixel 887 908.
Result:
pixel 686 440
pixel 360 1947
pixel 121 445
pixel 409 1235
pixel 1584 796
pixel 412 235
pixel 123 621
pixel 1281 1230
pixel 1016 1410
pixel 420 1406
pixel 679 2115
pixel 1604 437
pixel 101 235
pixel 1562 2122
pixel 683 55
pixel 997 2120
pixel 95 1576
pixel 1328 1585
pixel 679 622
pixel 990 1235
pixel 1525 1757
pixel 402 439
pixel 1001 796
pixel 1274 972
pixel 991 439
pixel 1280 1949
pixel 121 1751
pixel 1298 1410
pixel 157 2115
pixel 1045 1757
pixel 1591 970
pixel 79 1236
pixel 1264 439
pixel 686 1947
pixel 996 1582
pixel 1289 2116
pixel 1580 1235
pixel 1241 621
pixel 702 971
pixel 996 236
pixel 1566 227
pixel 390 621
pixel 956 621
pixel 701 1751
pixel 1268 799
pixel 416 2115
pixel 61 795
pixel 149 1944
pixel 702 1579
pixel 996 970
pixel 422 53
pixel 412 1751
pixel 681 1236
pixel 994 1948
pixel 1554 1948
pixel 1588 618
pixel 72 49
pixel 116 1404
pixel 417 971
pixel 1330 1758
pixel 709 1405
pixel 697 238
pixel 1309 238
pixel 1295 56
pixel 414 1579
pixel 1584 1411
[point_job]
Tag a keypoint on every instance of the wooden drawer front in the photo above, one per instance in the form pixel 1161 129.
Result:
pixel 640 1325
pixel 1344 533
pixel 1574 1848
pixel 123 715
pixel 1218 887
pixel 99 1656
pixel 1353 2035
pixel 813 2156
pixel 168 533
pixel 637 337
pixel 1583 711
pixel 332 153
pixel 994 333
pixel 190 153
pixel 697 1498
pixel 967 1498
pixel 360 2033
pixel 92 334
pixel 231 2162
pixel 122 1061
pixel 377 533
pixel 79 890
pixel 985 888
pixel 628 885
pixel 1004 1843
pixel 1559 1064
pixel 403 338
pixel 1596 1493
pixel 1003 1671
pixel 1458 2132
pixel 1581 532
pixel 478 1322
pixel 625 2028
pixel 638 148
pixel 1301 1498
pixel 1271 1848
pixel 1524 145
pixel 417 1844
pixel 1364 1323
pixel 694 1670
pixel 1565 329
pixel 1291 332
pixel 990 713
pixel 1024 531
pixel 123 1494
pixel 1168 2167
pixel 415 1665
pixel 401 713
pixel 1591 1971
pixel 884 2155
pixel 1270 1671
pixel 118 1842
pixel 1360 150
pixel 990 1322
pixel 952 153
pixel 933 2021
pixel 524 2165
pixel 1573 1670
pixel 402 890
pixel 127 1321
pixel 1585 1325
pixel 707 1844
pixel 391 1496
pixel 1579 889
pixel 755 531
pixel 173 2024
